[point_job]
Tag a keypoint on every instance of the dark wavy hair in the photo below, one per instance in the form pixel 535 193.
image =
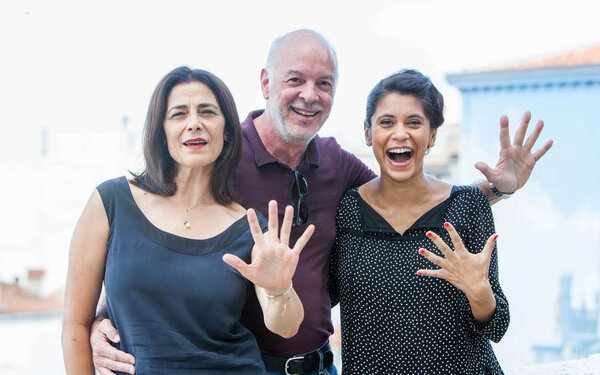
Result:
pixel 409 82
pixel 158 176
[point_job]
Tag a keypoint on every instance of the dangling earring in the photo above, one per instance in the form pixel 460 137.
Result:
pixel 427 151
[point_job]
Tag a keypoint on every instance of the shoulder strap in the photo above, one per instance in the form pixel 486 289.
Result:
pixel 108 193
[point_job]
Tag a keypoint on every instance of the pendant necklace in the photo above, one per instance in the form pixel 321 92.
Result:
pixel 186 221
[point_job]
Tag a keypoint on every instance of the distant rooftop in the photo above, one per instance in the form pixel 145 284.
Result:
pixel 580 57
pixel 15 299
pixel 576 67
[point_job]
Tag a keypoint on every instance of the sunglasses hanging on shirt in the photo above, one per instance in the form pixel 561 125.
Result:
pixel 297 194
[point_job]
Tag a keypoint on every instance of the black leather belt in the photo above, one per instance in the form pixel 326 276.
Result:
pixel 300 364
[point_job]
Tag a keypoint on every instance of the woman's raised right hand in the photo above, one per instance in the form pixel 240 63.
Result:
pixel 273 261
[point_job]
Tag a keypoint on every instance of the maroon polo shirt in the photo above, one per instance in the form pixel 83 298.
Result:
pixel 260 177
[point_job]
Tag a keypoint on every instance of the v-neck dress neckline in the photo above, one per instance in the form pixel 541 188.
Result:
pixel 375 222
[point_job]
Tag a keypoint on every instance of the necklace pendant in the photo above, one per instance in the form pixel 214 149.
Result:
pixel 187 224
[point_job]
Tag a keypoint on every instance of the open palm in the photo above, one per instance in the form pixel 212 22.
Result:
pixel 465 270
pixel 516 160
pixel 273 261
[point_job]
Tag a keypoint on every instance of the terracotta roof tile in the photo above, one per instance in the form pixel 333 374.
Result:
pixel 580 57
pixel 14 299
pixel 36 273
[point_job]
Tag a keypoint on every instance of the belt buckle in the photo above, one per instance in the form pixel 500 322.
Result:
pixel 288 361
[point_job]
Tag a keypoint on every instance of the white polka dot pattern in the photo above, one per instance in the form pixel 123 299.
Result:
pixel 394 322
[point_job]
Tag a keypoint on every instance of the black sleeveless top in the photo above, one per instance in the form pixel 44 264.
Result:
pixel 174 301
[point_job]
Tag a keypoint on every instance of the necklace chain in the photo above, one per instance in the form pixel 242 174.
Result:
pixel 186 221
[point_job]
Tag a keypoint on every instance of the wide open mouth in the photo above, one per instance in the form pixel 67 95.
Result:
pixel 400 155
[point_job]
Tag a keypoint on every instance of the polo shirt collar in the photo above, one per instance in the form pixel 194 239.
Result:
pixel 312 155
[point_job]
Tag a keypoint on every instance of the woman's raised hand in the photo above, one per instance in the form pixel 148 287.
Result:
pixel 466 271
pixel 273 261
pixel 517 159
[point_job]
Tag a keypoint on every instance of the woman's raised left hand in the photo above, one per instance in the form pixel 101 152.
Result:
pixel 517 159
pixel 273 261
pixel 466 271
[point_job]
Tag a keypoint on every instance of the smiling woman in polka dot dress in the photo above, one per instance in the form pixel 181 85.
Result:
pixel 414 266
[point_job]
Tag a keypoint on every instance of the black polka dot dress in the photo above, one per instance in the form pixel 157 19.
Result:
pixel 395 322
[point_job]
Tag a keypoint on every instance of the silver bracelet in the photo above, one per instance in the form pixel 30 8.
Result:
pixel 287 291
pixel 500 194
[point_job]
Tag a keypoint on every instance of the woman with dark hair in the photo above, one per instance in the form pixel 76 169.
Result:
pixel 172 246
pixel 400 313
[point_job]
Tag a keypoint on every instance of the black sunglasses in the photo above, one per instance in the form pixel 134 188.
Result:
pixel 299 190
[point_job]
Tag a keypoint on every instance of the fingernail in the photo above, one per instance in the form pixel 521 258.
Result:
pixel 495 237
pixel 446 225
pixel 429 234
pixel 419 273
pixel 117 338
pixel 421 251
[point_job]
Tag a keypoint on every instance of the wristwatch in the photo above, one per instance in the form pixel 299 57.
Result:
pixel 500 194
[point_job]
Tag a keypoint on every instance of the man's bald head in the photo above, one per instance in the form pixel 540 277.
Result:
pixel 298 83
pixel 297 37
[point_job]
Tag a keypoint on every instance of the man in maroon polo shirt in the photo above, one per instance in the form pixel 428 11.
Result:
pixel 328 171
pixel 284 159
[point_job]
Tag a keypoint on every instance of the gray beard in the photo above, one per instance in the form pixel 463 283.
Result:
pixel 285 132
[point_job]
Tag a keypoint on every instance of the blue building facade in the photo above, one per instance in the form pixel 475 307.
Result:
pixel 568 98
pixel 565 91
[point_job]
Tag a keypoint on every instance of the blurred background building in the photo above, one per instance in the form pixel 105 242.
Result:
pixel 565 91
pixel 48 189
pixel 579 329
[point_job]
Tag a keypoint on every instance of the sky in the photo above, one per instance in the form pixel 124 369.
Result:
pixel 84 65
pixel 80 67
